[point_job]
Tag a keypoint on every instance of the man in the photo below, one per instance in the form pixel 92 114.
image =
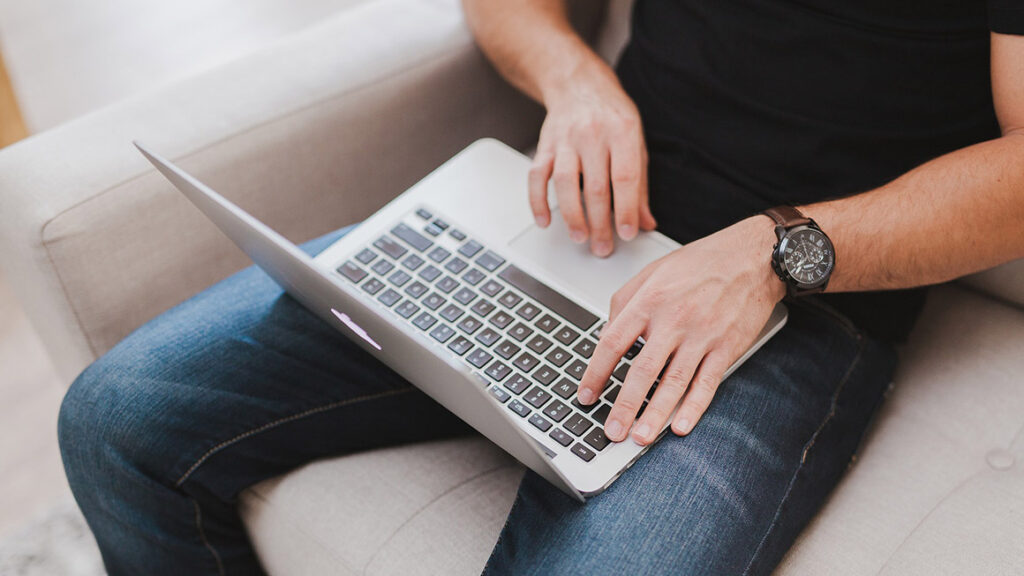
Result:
pixel 884 122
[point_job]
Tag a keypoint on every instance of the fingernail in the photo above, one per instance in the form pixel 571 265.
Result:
pixel 613 430
pixel 542 221
pixel 642 432
pixel 627 232
pixel 586 396
pixel 603 248
pixel 684 426
pixel 578 236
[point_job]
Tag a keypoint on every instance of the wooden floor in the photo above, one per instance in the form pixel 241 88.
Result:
pixel 31 476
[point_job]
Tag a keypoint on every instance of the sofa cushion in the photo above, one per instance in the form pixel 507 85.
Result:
pixel 1005 282
pixel 938 487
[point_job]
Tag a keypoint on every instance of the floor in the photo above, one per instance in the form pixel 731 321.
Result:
pixel 31 476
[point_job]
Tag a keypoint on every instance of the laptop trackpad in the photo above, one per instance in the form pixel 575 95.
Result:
pixel 589 277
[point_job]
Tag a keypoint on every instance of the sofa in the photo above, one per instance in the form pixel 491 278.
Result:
pixel 318 128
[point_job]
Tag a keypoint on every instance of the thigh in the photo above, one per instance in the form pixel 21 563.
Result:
pixel 241 383
pixel 730 497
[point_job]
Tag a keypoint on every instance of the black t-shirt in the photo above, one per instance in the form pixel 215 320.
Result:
pixel 748 104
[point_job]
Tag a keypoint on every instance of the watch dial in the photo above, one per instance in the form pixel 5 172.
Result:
pixel 808 256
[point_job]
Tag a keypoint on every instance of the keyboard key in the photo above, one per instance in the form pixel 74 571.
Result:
pixel 460 345
pixel 565 388
pixel 456 265
pixel 389 297
pixel 430 273
pixel 447 284
pixel 612 393
pixel 399 278
pixel 596 332
pixel 547 323
pixel 412 262
pixel 537 397
pixel 500 394
pixel 557 411
pixel 566 335
pixel 576 369
pixel 601 414
pixel 438 254
pixel 412 237
pixel 470 325
pixel 517 384
pixel 492 287
pixel 528 311
pixel 549 297
pixel 407 309
pixel 433 301
pixel 633 350
pixel 441 224
pixel 415 290
pixel 464 296
pixel 577 424
pixel 545 375
pixel 526 362
pixel 382 267
pixel 560 436
pixel 520 331
pixel 490 261
pixel 390 247
pixel 506 349
pixel 585 347
pixel 482 308
pixel 366 256
pixel 424 214
pixel 457 234
pixel 487 337
pixel 501 319
pixel 479 358
pixel 540 422
pixel 473 277
pixel 582 451
pixel 581 407
pixel 559 356
pixel 433 229
pixel 452 312
pixel 519 408
pixel 373 285
pixel 497 371
pixel 442 333
pixel 621 371
pixel 351 271
pixel 424 321
pixel 539 344
pixel 509 299
pixel 469 249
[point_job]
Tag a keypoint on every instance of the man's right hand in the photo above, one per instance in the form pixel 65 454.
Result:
pixel 592 130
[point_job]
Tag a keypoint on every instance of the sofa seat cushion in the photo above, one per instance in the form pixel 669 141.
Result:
pixel 938 487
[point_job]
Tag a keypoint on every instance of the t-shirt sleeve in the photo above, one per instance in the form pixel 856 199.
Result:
pixel 1006 16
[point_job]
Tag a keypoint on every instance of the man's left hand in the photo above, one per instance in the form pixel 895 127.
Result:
pixel 698 310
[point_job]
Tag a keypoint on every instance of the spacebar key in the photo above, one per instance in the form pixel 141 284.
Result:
pixel 547 296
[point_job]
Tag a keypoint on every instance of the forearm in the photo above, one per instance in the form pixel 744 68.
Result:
pixel 958 214
pixel 531 43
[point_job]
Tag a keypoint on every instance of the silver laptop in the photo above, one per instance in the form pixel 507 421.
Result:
pixel 453 286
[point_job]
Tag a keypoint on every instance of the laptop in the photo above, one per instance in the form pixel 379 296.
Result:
pixel 454 287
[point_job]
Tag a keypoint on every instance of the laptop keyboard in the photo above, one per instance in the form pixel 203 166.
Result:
pixel 527 342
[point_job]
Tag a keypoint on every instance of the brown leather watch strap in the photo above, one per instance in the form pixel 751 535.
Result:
pixel 787 216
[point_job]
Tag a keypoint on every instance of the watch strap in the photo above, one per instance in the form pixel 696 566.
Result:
pixel 786 217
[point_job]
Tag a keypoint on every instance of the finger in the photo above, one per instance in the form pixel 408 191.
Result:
pixel 645 368
pixel 615 340
pixel 702 390
pixel 540 173
pixel 567 186
pixel 647 221
pixel 597 198
pixel 625 294
pixel 627 167
pixel 667 395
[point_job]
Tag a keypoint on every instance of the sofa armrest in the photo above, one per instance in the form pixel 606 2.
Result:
pixel 313 132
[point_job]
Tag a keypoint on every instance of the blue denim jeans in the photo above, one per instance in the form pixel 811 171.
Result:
pixel 241 383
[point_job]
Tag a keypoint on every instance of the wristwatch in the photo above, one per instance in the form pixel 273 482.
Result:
pixel 803 257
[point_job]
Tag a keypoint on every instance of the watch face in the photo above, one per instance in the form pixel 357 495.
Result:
pixel 808 256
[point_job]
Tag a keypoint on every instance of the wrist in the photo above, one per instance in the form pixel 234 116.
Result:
pixel 760 232
pixel 579 71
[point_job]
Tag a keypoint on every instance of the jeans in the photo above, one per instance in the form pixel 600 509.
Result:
pixel 240 383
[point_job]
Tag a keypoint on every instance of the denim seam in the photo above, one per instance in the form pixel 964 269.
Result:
pixel 281 421
pixel 803 456
pixel 206 542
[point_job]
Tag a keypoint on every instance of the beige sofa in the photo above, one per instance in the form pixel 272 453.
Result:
pixel 316 130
